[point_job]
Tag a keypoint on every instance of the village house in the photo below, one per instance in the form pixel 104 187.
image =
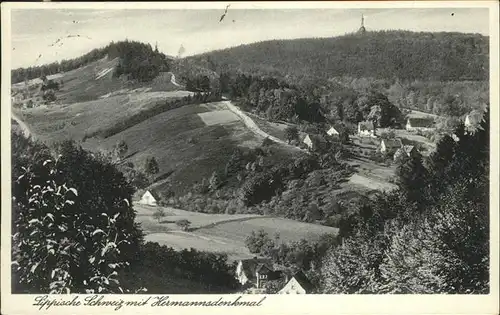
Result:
pixel 149 198
pixel 333 131
pixel 389 146
pixel 366 129
pixel 256 272
pixel 408 151
pixel 421 124
pixel 297 284
pixel 314 142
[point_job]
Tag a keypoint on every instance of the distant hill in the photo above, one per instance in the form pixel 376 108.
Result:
pixel 381 55
pixel 138 61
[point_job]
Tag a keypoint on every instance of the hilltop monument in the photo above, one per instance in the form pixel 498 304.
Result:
pixel 362 29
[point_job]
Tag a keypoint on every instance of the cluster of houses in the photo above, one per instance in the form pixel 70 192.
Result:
pixel 395 147
pixel 29 93
pixel 255 273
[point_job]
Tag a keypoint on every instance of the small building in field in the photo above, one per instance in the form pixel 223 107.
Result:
pixel 314 142
pixel 256 272
pixel 333 131
pixel 366 129
pixel 297 284
pixel 389 146
pixel 406 151
pixel 149 198
pixel 421 124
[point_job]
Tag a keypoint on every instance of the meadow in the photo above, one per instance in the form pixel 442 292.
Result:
pixel 221 233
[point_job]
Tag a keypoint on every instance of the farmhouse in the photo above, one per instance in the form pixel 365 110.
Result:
pixel 366 129
pixel 420 124
pixel 149 198
pixel 408 151
pixel 297 284
pixel 256 272
pixel 389 146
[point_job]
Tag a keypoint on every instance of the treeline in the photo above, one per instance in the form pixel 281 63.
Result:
pixel 429 236
pixel 21 74
pixel 74 230
pixel 211 271
pixel 274 98
pixel 160 107
pixel 137 60
pixel 381 55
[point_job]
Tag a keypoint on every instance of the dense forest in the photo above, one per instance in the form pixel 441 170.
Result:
pixel 381 55
pixel 138 60
pixel 440 73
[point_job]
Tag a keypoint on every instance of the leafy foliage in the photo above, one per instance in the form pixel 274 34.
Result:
pixel 70 234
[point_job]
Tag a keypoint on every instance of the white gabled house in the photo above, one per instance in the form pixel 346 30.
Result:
pixel 148 198
pixel 332 131
pixel 297 284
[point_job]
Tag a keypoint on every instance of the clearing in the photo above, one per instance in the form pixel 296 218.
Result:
pixel 221 233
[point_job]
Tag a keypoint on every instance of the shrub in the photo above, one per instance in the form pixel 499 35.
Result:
pixel 73 224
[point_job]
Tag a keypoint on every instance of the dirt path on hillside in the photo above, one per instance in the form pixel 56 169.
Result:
pixel 253 126
pixel 22 125
pixel 172 79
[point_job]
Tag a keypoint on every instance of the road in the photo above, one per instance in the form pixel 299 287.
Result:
pixel 250 124
pixel 172 79
pixel 22 125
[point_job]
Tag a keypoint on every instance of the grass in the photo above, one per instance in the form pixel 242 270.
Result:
pixel 183 145
pixel 82 85
pixel 274 129
pixel 220 232
pixel 73 121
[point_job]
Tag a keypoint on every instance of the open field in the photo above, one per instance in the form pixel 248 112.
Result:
pixel 220 232
pixel 218 117
pixel 73 121
pixel 183 145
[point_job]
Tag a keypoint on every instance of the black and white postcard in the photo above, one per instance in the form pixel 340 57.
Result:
pixel 256 158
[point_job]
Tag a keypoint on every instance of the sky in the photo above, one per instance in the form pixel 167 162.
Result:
pixel 33 31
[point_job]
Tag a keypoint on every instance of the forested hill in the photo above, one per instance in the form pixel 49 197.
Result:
pixel 382 55
pixel 137 60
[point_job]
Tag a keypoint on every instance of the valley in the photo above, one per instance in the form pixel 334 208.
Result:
pixel 256 154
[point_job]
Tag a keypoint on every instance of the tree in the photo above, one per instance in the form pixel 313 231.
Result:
pixel 73 222
pixel 121 148
pixel 159 214
pixel 183 224
pixel 291 133
pixel 375 115
pixel 151 166
pixel 214 182
pixel 256 242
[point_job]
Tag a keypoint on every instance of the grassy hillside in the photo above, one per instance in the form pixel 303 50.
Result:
pixel 222 233
pixel 383 55
pixel 185 143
